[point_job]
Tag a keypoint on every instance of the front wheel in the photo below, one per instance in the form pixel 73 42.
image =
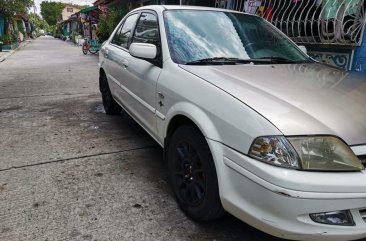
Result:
pixel 93 50
pixel 85 48
pixel 193 174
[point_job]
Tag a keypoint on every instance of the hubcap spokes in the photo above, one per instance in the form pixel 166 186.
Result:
pixel 189 174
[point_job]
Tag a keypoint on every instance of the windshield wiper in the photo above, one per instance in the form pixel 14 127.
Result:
pixel 219 61
pixel 226 60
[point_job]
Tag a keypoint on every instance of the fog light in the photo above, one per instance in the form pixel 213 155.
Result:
pixel 343 218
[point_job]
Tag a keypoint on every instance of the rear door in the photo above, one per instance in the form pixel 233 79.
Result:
pixel 118 56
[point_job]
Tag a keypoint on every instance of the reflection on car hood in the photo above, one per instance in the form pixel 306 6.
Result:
pixel 299 99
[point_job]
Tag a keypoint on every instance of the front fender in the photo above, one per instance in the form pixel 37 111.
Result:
pixel 220 116
pixel 196 115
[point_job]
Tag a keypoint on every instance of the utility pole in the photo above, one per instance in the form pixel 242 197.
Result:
pixel 34 24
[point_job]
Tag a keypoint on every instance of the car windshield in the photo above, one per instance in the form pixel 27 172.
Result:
pixel 216 37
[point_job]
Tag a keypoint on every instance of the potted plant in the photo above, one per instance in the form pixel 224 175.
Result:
pixel 6 41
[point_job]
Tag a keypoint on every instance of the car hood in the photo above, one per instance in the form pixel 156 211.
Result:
pixel 299 99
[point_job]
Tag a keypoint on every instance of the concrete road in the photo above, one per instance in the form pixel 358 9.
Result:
pixel 70 172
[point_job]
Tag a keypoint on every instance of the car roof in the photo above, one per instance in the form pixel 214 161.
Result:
pixel 185 7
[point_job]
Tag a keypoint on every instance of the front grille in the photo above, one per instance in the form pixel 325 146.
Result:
pixel 363 159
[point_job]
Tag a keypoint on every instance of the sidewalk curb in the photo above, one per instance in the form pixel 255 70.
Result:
pixel 11 52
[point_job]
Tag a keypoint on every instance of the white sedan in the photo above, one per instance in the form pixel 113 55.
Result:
pixel 250 124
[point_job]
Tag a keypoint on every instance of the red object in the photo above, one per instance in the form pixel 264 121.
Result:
pixel 268 14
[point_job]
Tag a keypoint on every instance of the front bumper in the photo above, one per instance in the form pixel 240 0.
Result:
pixel 255 193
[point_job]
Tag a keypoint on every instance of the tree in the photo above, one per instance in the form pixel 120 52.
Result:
pixel 108 22
pixel 11 7
pixel 50 11
pixel 39 22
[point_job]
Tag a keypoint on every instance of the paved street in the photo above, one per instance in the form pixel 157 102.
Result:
pixel 70 172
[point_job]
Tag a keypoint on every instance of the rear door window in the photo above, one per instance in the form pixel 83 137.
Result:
pixel 123 35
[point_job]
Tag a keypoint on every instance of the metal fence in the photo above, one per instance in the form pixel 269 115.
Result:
pixel 340 22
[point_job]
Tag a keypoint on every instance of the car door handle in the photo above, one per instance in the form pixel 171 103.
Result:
pixel 124 64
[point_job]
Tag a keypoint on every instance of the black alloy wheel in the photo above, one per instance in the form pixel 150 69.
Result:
pixel 193 174
pixel 111 107
pixel 189 174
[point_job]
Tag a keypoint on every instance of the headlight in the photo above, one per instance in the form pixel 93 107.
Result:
pixel 318 153
pixel 325 153
pixel 275 150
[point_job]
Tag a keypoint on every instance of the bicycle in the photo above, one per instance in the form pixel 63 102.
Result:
pixel 91 45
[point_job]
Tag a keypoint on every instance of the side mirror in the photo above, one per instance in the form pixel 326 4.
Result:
pixel 303 49
pixel 143 51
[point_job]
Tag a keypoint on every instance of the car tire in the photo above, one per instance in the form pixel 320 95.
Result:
pixel 111 107
pixel 193 174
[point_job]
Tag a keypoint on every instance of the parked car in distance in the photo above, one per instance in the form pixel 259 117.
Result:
pixel 250 124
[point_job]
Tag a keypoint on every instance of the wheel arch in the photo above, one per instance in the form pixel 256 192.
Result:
pixel 178 121
pixel 188 114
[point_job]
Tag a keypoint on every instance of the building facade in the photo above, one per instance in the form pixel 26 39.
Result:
pixel 332 30
pixel 67 12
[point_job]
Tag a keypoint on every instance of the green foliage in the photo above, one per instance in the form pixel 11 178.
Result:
pixel 21 29
pixel 108 22
pixel 50 11
pixel 6 39
pixel 9 7
pixel 39 22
